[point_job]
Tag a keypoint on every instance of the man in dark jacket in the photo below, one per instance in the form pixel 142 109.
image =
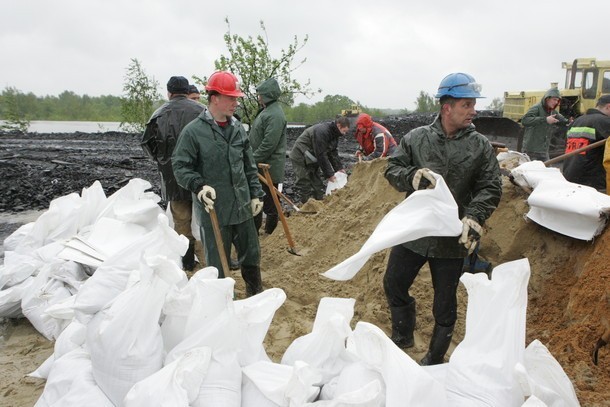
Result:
pixel 315 150
pixel 538 123
pixel 587 168
pixel 452 148
pixel 158 142
pixel 213 159
pixel 268 140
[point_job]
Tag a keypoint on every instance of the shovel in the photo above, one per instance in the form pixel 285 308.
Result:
pixel 219 244
pixel 284 197
pixel 269 183
pixel 574 152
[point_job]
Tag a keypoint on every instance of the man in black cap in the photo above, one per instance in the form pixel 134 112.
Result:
pixel 587 168
pixel 158 141
pixel 194 93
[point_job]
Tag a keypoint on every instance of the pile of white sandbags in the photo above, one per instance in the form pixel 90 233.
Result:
pixel 101 277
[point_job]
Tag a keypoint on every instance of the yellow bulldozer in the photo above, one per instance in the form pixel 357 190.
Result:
pixel 586 80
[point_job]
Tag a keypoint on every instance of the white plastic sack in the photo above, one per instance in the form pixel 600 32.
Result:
pixel 10 299
pixel 176 385
pixel 341 181
pixel 407 383
pixel 17 267
pixel 428 212
pixel 356 385
pixel 482 366
pixel 543 377
pixel 529 174
pixel 221 386
pixel 125 338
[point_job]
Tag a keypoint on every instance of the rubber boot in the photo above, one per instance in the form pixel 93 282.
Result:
pixel 403 325
pixel 188 260
pixel 439 343
pixel 252 278
pixel 271 223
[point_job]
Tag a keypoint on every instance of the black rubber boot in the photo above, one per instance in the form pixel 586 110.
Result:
pixel 188 260
pixel 252 278
pixel 271 223
pixel 403 325
pixel 439 343
pixel 233 264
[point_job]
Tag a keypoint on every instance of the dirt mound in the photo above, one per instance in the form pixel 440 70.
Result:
pixel 568 287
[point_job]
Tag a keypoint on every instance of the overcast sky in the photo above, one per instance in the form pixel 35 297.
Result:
pixel 381 53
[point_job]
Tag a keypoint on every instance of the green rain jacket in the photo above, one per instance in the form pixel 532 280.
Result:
pixel 537 134
pixel 468 165
pixel 268 132
pixel 204 155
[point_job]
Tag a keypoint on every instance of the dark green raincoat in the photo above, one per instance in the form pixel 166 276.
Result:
pixel 537 133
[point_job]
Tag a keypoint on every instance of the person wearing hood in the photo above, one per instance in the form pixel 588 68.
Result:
pixel 213 159
pixel 453 149
pixel 538 123
pixel 375 140
pixel 268 141
pixel 158 141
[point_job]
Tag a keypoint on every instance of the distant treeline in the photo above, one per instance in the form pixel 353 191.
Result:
pixel 69 106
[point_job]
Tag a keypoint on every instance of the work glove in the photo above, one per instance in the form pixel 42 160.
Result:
pixel 423 179
pixel 206 196
pixel 257 205
pixel 471 233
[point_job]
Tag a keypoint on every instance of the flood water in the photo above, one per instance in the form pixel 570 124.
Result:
pixel 47 126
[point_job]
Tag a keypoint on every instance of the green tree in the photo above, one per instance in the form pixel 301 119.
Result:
pixel 139 96
pixel 496 104
pixel 251 60
pixel 425 103
pixel 11 112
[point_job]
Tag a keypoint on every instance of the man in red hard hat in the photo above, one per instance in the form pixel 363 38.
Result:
pixel 213 159
pixel 374 139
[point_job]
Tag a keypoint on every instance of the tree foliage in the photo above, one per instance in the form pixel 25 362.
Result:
pixel 139 96
pixel 12 112
pixel 426 103
pixel 251 60
pixel 496 104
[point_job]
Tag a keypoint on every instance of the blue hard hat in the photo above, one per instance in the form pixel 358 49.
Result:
pixel 459 85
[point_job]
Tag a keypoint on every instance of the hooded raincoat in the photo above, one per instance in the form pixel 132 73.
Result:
pixel 537 134
pixel 468 165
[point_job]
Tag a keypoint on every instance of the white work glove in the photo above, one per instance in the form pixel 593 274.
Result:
pixel 257 205
pixel 471 233
pixel 206 196
pixel 428 181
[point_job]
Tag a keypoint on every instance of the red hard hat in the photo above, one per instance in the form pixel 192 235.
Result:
pixel 224 83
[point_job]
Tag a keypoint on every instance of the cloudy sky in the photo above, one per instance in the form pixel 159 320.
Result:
pixel 381 53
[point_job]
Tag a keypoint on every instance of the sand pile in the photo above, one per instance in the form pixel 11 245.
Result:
pixel 568 291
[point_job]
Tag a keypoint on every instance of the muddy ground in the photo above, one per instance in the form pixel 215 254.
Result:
pixel 568 295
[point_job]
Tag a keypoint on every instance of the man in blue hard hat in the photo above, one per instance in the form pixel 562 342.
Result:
pixel 452 148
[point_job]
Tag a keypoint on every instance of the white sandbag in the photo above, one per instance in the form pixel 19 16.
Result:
pixel 42 371
pixel 211 298
pixel 481 367
pixel 268 384
pixel 10 299
pixel 194 225
pixel 221 386
pixel 72 337
pixel 356 385
pixel 94 200
pixel 544 378
pixel 574 210
pixel 45 291
pixel 177 307
pixel 17 267
pixel 176 385
pixel 70 383
pixel 341 181
pixel 124 338
pixel 428 212
pixel 12 241
pixel 407 383
pixel 324 348
pixel 110 279
pixel 255 314
pixel 529 174
pixel 63 309
pixel 534 401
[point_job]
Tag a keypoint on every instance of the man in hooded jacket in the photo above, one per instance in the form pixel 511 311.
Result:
pixel 375 140
pixel 538 123
pixel 268 141
pixel 158 141
pixel 452 148
pixel 213 159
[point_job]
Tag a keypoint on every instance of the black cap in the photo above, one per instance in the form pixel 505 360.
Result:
pixel 193 89
pixel 603 100
pixel 178 85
